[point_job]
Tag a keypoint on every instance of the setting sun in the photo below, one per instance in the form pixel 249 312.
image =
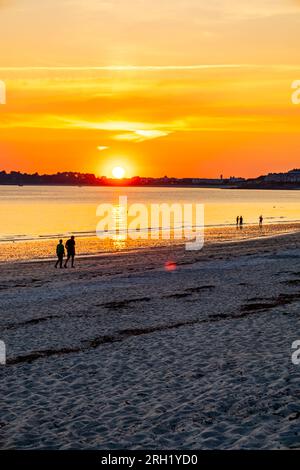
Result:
pixel 118 172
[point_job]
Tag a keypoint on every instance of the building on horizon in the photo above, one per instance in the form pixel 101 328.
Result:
pixel 292 176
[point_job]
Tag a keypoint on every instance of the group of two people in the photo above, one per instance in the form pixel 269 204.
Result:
pixel 60 252
pixel 240 220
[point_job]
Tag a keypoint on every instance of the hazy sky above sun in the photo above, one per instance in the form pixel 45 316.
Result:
pixel 176 87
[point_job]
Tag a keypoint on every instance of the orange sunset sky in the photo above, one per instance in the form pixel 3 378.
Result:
pixel 160 87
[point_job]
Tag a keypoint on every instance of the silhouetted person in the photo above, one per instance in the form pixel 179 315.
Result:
pixel 261 219
pixel 60 251
pixel 241 221
pixel 70 246
pixel 238 220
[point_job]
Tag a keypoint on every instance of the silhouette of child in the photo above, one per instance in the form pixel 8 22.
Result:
pixel 60 251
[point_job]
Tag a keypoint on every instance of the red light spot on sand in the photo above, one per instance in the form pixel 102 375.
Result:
pixel 170 266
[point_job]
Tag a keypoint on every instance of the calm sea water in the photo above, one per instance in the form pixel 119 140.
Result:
pixel 30 213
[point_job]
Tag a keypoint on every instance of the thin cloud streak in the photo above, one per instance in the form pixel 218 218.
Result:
pixel 149 68
pixel 137 132
pixel 142 135
pixel 126 68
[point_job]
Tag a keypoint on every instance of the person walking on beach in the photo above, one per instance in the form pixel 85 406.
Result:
pixel 70 246
pixel 261 220
pixel 237 220
pixel 60 251
pixel 241 221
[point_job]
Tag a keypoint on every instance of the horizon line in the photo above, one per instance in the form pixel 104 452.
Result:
pixel 37 173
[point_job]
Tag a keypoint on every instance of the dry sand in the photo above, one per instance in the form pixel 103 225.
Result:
pixel 120 353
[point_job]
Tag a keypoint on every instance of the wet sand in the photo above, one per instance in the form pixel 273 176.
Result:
pixel 44 248
pixel 124 353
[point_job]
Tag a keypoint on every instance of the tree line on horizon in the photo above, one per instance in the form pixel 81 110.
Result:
pixel 272 181
pixel 89 179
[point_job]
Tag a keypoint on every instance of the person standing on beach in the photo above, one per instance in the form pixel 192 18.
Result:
pixel 237 220
pixel 261 220
pixel 241 221
pixel 60 251
pixel 70 246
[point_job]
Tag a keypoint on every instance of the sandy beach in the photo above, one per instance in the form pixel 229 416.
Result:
pixel 155 144
pixel 44 248
pixel 124 353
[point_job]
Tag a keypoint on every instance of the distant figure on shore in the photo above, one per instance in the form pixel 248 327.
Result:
pixel 261 219
pixel 241 221
pixel 70 246
pixel 237 220
pixel 60 251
